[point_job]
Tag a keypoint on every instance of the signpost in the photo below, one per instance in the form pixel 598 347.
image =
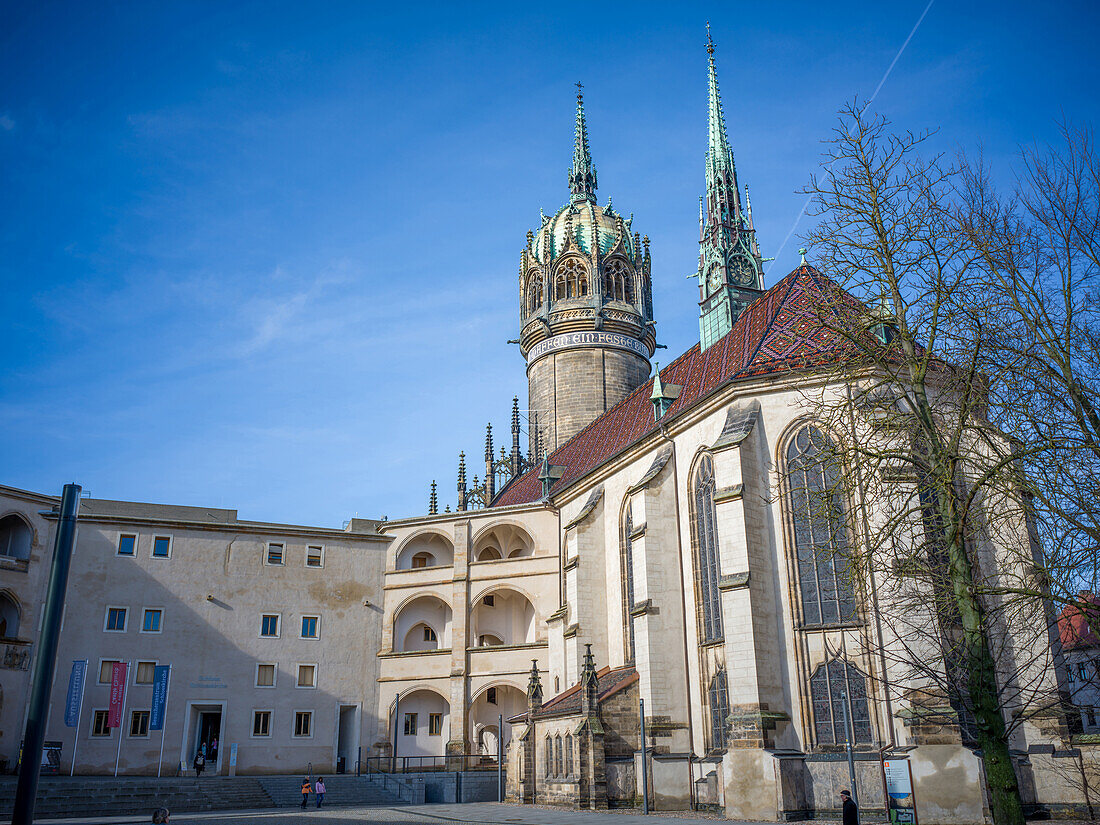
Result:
pixel 901 805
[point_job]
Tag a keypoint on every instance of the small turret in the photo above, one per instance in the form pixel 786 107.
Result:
pixel 517 457
pixel 590 684
pixel 461 481
pixel 534 688
pixel 433 501
pixel 490 476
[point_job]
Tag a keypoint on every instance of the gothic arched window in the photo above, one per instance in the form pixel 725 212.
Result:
pixel 718 700
pixel 557 756
pixel 820 540
pixel 571 280
pixel 568 754
pixel 833 685
pixel 534 293
pixel 705 535
pixel 549 756
pixel 618 281
pixel 626 570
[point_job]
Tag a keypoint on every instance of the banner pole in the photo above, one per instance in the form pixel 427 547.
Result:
pixel 122 717
pixel 164 721
pixel 79 711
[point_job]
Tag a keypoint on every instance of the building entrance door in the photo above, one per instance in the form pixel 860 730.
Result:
pixel 208 736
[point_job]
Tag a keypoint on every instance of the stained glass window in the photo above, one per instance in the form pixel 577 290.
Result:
pixel 820 540
pixel 833 684
pixel 707 571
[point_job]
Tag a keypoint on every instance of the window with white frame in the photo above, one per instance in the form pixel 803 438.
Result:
pixel 315 555
pixel 162 547
pixel 106 669
pixel 139 723
pixel 265 675
pixel 151 619
pixel 261 723
pixel 115 620
pixel 274 556
pixel 127 543
pixel 307 676
pixel 99 723
pixel 143 673
pixel 303 723
pixel 311 627
pixel 269 625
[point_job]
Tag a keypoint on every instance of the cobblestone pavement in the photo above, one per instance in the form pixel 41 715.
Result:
pixel 488 813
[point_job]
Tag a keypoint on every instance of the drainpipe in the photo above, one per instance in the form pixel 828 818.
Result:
pixel 683 603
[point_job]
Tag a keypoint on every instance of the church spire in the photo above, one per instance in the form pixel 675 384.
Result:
pixel 582 177
pixel 731 273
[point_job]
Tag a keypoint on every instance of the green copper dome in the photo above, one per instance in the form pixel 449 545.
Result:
pixel 588 224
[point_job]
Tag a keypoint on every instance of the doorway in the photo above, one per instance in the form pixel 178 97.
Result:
pixel 347 738
pixel 203 726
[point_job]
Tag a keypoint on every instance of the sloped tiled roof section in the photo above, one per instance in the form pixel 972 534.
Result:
pixel 1074 625
pixel 780 330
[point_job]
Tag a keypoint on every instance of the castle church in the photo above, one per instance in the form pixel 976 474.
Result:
pixel 643 548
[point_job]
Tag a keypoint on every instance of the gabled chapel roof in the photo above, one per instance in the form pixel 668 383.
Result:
pixel 780 330
pixel 568 702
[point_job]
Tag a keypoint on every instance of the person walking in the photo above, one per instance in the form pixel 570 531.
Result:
pixel 214 749
pixel 319 788
pixel 200 763
pixel 849 811
pixel 305 792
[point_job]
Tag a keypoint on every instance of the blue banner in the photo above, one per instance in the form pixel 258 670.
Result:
pixel 160 696
pixel 76 692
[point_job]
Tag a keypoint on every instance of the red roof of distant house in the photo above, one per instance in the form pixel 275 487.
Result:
pixel 780 330
pixel 1073 622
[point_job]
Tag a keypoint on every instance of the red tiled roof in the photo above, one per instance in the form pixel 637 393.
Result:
pixel 780 330
pixel 1073 622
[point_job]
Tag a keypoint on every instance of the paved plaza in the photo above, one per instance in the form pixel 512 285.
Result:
pixel 489 812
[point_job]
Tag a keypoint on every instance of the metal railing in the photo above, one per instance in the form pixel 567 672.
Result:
pixel 404 791
pixel 417 764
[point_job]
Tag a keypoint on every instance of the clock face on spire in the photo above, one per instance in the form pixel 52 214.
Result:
pixel 743 271
pixel 714 278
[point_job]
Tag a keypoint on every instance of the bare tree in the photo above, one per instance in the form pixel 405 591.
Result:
pixel 920 389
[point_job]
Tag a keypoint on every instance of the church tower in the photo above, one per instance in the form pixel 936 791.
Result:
pixel 731 273
pixel 586 307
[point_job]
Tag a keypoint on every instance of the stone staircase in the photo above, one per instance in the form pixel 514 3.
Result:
pixel 286 791
pixel 60 797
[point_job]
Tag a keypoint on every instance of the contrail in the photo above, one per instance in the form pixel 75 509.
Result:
pixel 878 88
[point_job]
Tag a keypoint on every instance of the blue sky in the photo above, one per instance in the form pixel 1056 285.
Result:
pixel 263 255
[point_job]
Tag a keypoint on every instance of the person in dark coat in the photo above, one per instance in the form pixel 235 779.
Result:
pixel 849 811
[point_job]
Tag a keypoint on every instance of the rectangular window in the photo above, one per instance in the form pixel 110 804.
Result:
pixel 265 675
pixel 269 625
pixel 106 668
pixel 274 553
pixel 410 724
pixel 488 601
pixel 139 723
pixel 429 634
pixel 162 547
pixel 435 724
pixel 1091 711
pixel 99 723
pixel 1083 672
pixel 261 723
pixel 307 676
pixel 315 556
pixel 143 673
pixel 126 544
pixel 303 723
pixel 311 627
pixel 150 620
pixel 116 620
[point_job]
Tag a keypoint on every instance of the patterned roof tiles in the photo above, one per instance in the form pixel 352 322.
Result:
pixel 780 330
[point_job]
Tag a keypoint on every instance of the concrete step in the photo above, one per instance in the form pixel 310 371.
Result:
pixel 340 790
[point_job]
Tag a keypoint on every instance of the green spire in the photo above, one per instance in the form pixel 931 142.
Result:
pixel 582 177
pixel 731 273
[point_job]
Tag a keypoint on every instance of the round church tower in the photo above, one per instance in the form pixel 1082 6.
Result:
pixel 586 308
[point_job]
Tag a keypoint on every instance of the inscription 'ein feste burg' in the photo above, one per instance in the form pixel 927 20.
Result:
pixel 571 340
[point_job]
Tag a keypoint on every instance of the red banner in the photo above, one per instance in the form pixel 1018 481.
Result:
pixel 118 694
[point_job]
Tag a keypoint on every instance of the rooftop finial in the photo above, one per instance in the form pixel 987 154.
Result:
pixel 710 43
pixel 433 501
pixel 582 177
pixel 802 252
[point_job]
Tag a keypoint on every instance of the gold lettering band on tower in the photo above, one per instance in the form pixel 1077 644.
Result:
pixel 571 340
